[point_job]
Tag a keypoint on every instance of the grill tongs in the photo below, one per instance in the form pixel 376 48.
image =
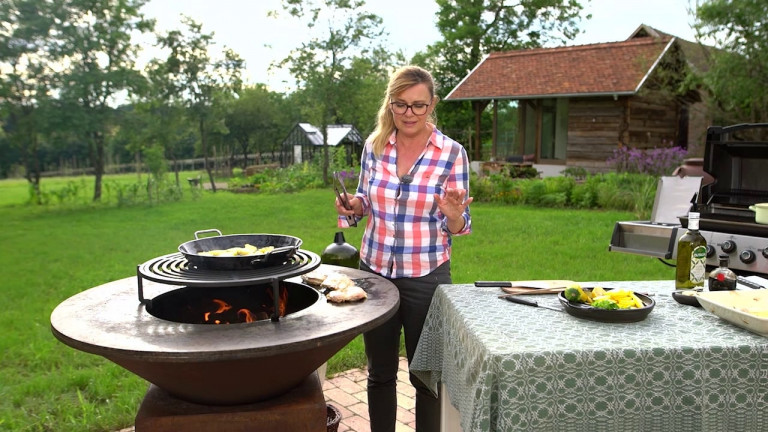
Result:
pixel 341 194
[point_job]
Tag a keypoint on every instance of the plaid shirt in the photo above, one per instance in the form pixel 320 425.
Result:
pixel 406 234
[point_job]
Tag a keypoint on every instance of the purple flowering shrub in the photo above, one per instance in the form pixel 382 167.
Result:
pixel 658 161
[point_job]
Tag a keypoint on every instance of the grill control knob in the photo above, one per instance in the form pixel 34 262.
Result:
pixel 710 251
pixel 728 246
pixel 747 256
pixel 765 252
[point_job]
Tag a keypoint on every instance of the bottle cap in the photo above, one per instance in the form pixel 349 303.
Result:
pixel 693 215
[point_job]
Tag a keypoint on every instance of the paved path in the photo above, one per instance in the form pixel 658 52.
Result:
pixel 346 391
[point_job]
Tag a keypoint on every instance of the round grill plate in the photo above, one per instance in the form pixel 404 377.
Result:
pixel 174 269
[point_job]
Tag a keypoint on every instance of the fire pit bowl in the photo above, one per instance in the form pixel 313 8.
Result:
pixel 225 364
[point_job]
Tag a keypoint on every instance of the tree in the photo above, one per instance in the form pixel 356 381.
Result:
pixel 26 82
pixel 99 59
pixel 473 28
pixel 205 86
pixel 257 121
pixel 738 74
pixel 165 125
pixel 322 63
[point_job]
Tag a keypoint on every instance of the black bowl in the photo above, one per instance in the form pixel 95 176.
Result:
pixel 581 310
pixel 687 297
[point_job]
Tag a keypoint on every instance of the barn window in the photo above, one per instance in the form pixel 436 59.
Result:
pixel 546 128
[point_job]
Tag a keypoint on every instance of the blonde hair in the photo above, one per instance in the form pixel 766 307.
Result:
pixel 401 80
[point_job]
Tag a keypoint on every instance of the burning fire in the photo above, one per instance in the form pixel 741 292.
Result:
pixel 225 314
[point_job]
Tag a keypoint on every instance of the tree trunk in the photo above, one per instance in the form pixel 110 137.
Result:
pixel 32 165
pixel 204 145
pixel 97 160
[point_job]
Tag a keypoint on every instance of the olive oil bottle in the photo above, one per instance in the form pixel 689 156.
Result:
pixel 691 256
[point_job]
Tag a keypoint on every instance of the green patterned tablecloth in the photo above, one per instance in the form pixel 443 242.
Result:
pixel 510 367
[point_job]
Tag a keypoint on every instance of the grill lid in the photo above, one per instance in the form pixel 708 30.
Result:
pixel 737 157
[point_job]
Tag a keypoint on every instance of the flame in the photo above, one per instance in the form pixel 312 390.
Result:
pixel 283 300
pixel 282 303
pixel 247 315
pixel 223 306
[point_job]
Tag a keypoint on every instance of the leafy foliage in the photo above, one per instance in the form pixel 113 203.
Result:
pixel 738 73
pixel 612 191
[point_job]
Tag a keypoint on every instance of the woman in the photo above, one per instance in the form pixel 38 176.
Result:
pixel 413 189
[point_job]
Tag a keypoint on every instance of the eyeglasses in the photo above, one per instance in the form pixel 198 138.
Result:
pixel 401 108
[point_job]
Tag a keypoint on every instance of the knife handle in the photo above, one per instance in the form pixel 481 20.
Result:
pixel 522 301
pixel 493 284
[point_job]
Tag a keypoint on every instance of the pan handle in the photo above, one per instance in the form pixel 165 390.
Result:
pixel 206 231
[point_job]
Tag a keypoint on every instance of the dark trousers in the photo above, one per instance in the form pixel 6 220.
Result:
pixel 382 346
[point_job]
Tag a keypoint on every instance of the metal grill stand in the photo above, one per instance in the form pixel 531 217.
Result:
pixel 174 269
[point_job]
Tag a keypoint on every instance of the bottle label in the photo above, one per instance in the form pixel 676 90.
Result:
pixel 698 264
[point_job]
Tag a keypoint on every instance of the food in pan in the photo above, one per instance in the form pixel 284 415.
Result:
pixel 238 251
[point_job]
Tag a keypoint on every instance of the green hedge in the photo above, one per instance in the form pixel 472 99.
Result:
pixel 610 191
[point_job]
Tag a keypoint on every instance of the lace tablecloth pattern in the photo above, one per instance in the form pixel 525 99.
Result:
pixel 511 367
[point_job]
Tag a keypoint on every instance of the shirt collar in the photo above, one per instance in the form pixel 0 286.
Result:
pixel 436 139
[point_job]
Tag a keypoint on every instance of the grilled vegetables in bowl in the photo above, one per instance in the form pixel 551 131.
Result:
pixel 606 304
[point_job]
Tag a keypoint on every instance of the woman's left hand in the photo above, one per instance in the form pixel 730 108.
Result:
pixel 452 204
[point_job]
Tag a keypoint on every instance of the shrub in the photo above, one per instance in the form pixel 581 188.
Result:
pixel 656 161
pixel 616 191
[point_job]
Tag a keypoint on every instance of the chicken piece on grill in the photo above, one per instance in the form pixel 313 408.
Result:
pixel 349 294
pixel 314 278
pixel 337 281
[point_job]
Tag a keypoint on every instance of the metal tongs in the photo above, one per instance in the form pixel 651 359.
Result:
pixel 341 194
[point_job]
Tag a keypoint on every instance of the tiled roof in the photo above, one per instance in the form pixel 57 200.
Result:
pixel 615 68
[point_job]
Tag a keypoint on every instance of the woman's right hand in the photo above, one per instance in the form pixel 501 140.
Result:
pixel 354 203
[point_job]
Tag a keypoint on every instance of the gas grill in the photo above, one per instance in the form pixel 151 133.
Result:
pixel 737 157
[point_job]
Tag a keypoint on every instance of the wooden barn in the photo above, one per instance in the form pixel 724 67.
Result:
pixel 305 142
pixel 574 105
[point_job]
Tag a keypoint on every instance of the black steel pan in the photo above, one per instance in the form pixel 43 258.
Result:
pixel 285 248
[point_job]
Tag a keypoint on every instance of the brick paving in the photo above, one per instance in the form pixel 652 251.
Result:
pixel 346 391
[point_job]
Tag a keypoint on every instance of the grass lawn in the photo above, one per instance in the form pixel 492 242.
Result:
pixel 49 254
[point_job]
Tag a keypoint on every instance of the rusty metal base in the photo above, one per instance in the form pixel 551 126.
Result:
pixel 302 409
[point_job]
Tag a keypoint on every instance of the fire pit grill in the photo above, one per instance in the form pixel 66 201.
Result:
pixel 218 364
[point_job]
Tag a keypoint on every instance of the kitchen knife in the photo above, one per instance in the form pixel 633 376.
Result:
pixel 744 281
pixel 539 284
pixel 526 302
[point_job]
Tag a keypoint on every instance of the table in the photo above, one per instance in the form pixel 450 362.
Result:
pixel 510 367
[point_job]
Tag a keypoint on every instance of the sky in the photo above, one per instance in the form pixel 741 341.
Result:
pixel 243 26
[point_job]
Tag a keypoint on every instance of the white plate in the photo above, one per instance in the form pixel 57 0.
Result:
pixel 745 308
